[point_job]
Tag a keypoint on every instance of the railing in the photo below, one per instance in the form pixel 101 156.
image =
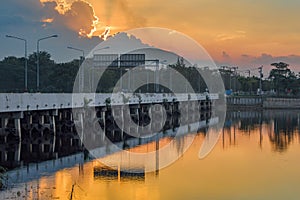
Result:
pixel 12 102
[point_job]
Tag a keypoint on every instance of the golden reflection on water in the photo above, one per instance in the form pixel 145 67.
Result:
pixel 245 164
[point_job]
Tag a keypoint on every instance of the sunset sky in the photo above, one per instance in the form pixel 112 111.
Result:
pixel 246 33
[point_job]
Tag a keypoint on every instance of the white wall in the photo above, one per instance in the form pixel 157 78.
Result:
pixel 11 102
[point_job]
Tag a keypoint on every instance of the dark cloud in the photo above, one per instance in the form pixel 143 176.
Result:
pixel 30 13
pixel 24 19
pixel 248 61
pixel 268 59
pixel 19 14
pixel 225 55
pixel 245 56
pixel 80 16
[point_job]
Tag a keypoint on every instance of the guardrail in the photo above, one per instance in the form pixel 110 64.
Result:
pixel 17 102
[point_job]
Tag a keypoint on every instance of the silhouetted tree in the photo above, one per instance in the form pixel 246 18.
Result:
pixel 284 80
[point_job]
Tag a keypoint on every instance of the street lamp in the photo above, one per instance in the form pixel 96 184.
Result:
pixel 107 47
pixel 92 76
pixel 260 79
pixel 37 60
pixel 26 66
pixel 156 79
pixel 76 49
pixel 157 72
pixel 81 71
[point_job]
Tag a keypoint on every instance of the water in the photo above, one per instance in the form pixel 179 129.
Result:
pixel 256 157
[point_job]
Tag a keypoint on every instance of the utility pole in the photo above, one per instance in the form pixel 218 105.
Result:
pixel 248 71
pixel 26 65
pixel 249 80
pixel 235 74
pixel 157 76
pixel 81 70
pixel 38 60
pixel 260 79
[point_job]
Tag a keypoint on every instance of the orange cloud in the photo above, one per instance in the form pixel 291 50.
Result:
pixel 62 5
pixel 84 16
pixel 77 15
pixel 47 20
pixel 235 35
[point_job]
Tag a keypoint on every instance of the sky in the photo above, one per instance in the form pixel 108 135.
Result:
pixel 245 33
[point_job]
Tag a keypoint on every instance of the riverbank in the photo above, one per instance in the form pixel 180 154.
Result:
pixel 258 102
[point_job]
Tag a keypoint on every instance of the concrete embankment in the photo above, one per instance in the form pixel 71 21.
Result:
pixel 258 102
pixel 238 102
pixel 281 103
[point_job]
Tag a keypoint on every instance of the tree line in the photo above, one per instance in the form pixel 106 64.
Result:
pixel 54 77
pixel 281 81
pixel 60 77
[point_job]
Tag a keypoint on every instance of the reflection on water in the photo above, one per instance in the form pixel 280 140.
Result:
pixel 257 157
pixel 281 127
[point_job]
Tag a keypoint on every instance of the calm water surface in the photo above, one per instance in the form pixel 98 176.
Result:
pixel 256 157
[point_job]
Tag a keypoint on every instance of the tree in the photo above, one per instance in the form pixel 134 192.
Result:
pixel 12 74
pixel 280 77
pixel 191 75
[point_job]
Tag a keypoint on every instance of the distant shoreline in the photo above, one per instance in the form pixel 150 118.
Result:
pixel 257 102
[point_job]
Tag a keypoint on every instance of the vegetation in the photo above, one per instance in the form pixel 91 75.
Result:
pixel 281 81
pixel 53 77
pixel 60 77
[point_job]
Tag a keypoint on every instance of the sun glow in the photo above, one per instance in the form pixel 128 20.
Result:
pixel 47 20
pixel 106 33
pixel 64 7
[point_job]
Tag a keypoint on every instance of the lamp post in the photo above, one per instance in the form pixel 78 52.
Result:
pixel 157 76
pixel 82 51
pixel 107 47
pixel 26 65
pixel 235 77
pixel 260 79
pixel 156 80
pixel 92 76
pixel 147 74
pixel 81 71
pixel 157 62
pixel 37 59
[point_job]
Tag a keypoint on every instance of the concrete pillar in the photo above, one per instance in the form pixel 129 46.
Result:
pixel 30 118
pixel 71 116
pixel 18 152
pixel 122 119
pixel 4 122
pixel 18 127
pixel 60 116
pixel 5 156
pixel 52 123
pixel 41 119
pixel 103 114
pixel 71 142
pixel 138 120
pixel 81 134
